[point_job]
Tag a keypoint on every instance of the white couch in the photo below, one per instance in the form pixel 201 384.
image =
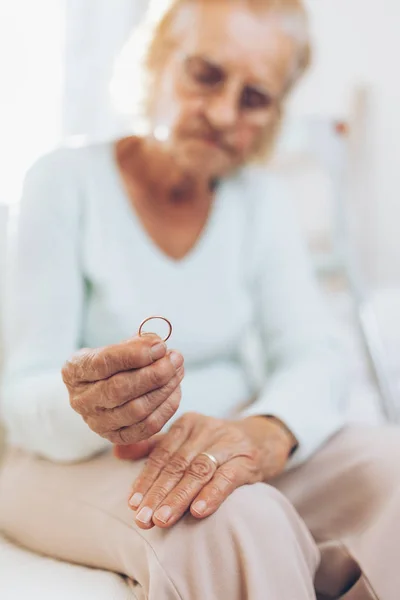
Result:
pixel 27 576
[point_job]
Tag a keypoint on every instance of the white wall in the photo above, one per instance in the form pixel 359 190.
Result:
pixel 31 56
pixel 358 42
pixel 96 32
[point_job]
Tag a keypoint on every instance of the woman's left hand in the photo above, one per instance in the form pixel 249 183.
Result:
pixel 178 475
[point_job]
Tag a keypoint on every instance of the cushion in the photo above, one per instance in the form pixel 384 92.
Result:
pixel 26 575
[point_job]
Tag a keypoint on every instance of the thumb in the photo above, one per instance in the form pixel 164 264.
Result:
pixel 138 450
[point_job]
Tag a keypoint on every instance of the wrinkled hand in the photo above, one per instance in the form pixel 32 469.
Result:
pixel 125 392
pixel 177 476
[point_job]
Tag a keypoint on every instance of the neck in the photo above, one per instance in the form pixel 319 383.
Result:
pixel 154 172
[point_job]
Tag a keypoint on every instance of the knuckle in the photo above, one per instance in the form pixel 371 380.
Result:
pixel 175 399
pixel 169 408
pixel 128 353
pixel 254 454
pixel 112 436
pixel 123 436
pixel 141 408
pixel 75 402
pixel 177 430
pixel 147 403
pixel 98 426
pixel 92 424
pixel 189 418
pixel 79 404
pixel 144 380
pixel 177 465
pixel 101 362
pixel 201 468
pixel 67 373
pixel 114 388
pixel 237 437
pixel 168 388
pixel 228 475
pixel 161 373
pixel 157 493
pixel 181 496
pixel 141 431
pixel 186 418
pixel 111 420
pixel 217 426
pixel 213 493
pixel 158 458
pixel 86 361
pixel 154 423
pixel 72 370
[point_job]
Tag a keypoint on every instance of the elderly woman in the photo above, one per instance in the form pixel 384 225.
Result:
pixel 252 487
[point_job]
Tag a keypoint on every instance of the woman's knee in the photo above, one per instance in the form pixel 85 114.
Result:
pixel 255 507
pixel 254 521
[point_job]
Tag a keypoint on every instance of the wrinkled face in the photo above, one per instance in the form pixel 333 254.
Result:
pixel 221 88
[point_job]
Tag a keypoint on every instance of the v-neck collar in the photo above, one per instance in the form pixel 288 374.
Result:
pixel 131 215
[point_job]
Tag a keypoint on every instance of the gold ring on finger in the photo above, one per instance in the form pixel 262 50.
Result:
pixel 211 457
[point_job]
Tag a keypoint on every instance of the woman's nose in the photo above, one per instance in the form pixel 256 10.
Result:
pixel 222 109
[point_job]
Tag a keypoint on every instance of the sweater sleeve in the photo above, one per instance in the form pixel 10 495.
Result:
pixel 305 386
pixel 42 314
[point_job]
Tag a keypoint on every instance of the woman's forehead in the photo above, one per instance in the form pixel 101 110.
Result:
pixel 232 35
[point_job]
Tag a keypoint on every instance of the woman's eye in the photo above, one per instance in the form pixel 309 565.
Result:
pixel 252 99
pixel 203 72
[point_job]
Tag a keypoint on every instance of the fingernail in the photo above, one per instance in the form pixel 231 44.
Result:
pixel 163 514
pixel 176 359
pixel 158 350
pixel 199 507
pixel 144 515
pixel 136 500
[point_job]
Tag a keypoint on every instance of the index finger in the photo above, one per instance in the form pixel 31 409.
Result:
pixel 90 365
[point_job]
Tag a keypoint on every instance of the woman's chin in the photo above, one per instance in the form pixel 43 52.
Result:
pixel 204 160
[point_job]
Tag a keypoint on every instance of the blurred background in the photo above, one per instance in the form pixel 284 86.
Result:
pixel 57 57
pixel 340 147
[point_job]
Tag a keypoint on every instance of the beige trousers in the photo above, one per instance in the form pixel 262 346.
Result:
pixel 258 546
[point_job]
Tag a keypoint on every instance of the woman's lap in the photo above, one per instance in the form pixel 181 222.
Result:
pixel 79 513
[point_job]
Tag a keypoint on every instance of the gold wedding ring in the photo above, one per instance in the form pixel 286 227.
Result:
pixel 150 319
pixel 211 457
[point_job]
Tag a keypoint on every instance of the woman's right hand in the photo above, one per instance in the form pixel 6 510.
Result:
pixel 125 392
